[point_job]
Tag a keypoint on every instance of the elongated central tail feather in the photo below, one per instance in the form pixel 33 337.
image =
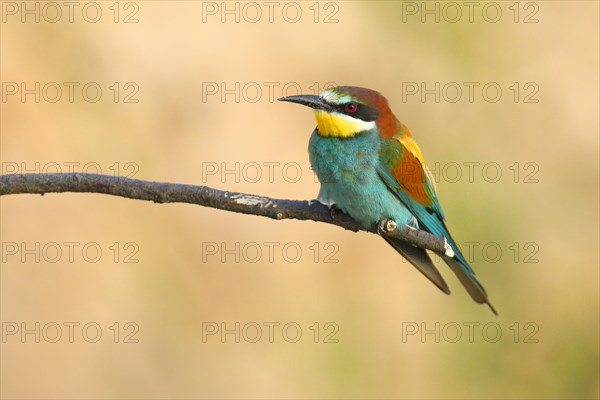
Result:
pixel 471 284
pixel 420 259
pixel 461 268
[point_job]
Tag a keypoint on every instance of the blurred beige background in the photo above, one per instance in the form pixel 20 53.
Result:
pixel 397 336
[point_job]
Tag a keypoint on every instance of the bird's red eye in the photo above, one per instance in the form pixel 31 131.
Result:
pixel 350 107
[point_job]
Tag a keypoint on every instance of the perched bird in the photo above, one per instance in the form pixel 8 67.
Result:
pixel 370 167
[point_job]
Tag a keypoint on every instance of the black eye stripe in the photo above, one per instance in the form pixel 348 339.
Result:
pixel 363 112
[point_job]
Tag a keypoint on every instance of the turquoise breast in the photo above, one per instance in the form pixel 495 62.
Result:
pixel 347 170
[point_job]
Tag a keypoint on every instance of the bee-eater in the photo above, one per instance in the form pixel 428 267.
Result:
pixel 370 167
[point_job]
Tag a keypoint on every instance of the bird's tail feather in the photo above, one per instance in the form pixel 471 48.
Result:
pixel 420 259
pixel 463 271
pixel 471 284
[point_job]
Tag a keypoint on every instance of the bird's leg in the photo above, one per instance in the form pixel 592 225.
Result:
pixel 334 210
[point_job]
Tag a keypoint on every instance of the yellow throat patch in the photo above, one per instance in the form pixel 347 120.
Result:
pixel 340 125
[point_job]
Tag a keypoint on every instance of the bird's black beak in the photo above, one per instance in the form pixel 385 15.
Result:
pixel 309 100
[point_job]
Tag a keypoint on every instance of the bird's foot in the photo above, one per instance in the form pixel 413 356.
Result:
pixel 334 210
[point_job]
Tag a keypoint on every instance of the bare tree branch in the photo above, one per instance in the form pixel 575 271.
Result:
pixel 160 192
